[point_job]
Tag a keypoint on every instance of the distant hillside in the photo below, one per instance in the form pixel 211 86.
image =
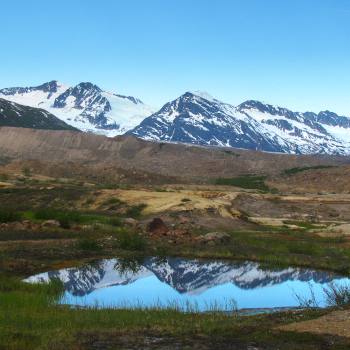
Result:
pixel 16 115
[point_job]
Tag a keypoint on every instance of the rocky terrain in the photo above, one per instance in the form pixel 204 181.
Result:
pixel 127 159
pixel 16 115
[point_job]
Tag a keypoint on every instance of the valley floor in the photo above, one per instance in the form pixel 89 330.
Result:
pixel 48 223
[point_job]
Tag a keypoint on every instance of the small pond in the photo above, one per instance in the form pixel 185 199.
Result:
pixel 188 284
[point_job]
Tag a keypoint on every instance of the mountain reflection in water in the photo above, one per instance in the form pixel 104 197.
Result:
pixel 153 281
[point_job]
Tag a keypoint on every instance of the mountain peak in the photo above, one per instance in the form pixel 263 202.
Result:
pixel 85 105
pixel 202 94
pixel 50 86
pixel 88 86
pixel 254 104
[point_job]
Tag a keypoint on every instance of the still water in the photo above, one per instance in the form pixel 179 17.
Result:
pixel 184 283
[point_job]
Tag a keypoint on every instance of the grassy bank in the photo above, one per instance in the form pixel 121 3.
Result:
pixel 29 319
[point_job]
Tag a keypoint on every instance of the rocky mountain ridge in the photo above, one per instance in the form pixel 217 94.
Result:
pixel 84 106
pixel 15 115
pixel 200 119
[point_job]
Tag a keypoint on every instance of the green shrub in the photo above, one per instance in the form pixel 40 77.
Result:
pixel 131 241
pixel 337 295
pixel 231 153
pixel 184 200
pixel 159 189
pixel 296 170
pixel 114 221
pixel 113 200
pixel 65 218
pixel 9 215
pixel 88 244
pixel 135 211
pixel 246 181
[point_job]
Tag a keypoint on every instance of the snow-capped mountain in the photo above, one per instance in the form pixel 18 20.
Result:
pixel 185 276
pixel 15 115
pixel 198 118
pixel 84 106
pixel 195 118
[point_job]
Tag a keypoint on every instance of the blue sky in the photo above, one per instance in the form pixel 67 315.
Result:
pixel 294 53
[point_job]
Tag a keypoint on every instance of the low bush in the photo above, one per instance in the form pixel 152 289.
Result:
pixel 65 218
pixel 296 170
pixel 9 216
pixel 337 294
pixel 131 241
pixel 135 211
pixel 88 244
pixel 247 181
pixel 114 221
pixel 114 201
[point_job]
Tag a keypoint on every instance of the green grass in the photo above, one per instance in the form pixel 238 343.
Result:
pixel 256 182
pixel 114 221
pixel 88 244
pixel 29 319
pixel 296 170
pixel 280 247
pixel 65 218
pixel 302 224
pixel 131 241
pixel 31 198
pixel 23 235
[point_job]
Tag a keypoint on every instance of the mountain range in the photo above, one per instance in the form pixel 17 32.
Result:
pixel 84 106
pixel 194 118
pixel 198 118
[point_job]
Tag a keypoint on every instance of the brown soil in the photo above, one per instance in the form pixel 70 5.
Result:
pixel 335 323
pixel 66 153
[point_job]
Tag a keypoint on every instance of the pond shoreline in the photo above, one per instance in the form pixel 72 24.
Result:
pixel 189 285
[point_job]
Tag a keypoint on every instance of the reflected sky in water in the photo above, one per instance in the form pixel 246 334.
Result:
pixel 201 283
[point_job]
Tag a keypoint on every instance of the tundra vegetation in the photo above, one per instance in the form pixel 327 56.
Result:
pixel 54 223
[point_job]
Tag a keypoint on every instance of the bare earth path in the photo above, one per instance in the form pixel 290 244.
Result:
pixel 335 323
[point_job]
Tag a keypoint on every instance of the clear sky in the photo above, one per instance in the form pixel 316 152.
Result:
pixel 294 53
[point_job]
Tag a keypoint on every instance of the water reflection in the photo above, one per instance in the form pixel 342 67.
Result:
pixel 205 284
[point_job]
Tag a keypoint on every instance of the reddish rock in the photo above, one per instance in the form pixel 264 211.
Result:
pixel 157 227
